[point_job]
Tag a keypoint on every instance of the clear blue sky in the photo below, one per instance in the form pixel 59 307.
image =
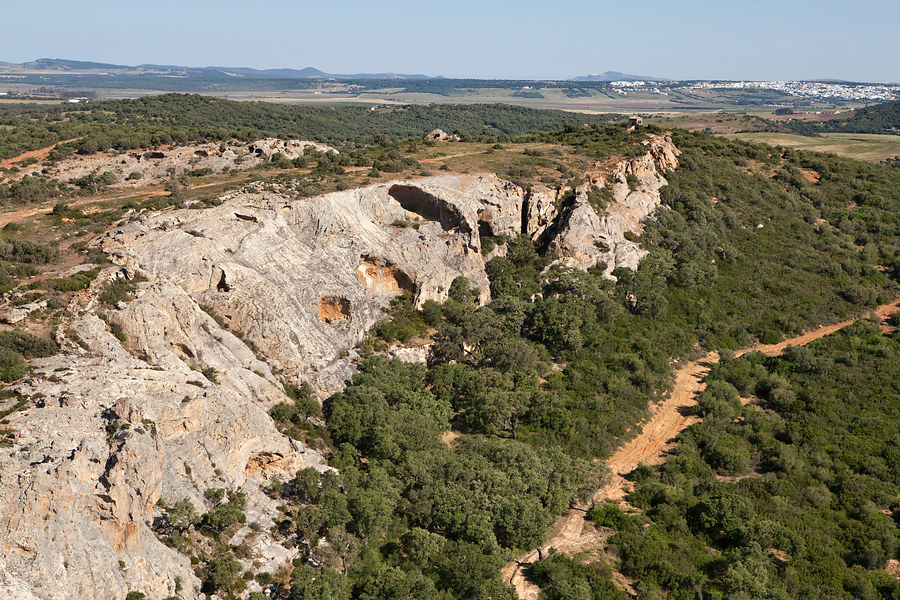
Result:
pixel 681 39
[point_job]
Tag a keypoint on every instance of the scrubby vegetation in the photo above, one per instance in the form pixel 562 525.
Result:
pixel 178 118
pixel 16 347
pixel 881 118
pixel 555 370
pixel 810 509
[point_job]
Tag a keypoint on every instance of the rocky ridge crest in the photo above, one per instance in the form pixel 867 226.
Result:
pixel 118 425
pixel 175 160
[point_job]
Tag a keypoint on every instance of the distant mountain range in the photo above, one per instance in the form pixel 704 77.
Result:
pixel 64 66
pixel 60 66
pixel 616 76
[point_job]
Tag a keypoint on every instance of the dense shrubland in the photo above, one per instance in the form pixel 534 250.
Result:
pixel 881 118
pixel 176 118
pixel 811 508
pixel 556 369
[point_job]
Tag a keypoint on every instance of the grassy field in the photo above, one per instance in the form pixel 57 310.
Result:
pixel 861 146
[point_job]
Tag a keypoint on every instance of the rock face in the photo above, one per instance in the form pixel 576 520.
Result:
pixel 112 434
pixel 181 405
pixel 306 279
pixel 159 164
pixel 439 135
pixel 583 238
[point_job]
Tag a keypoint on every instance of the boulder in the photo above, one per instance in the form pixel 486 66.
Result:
pixel 438 135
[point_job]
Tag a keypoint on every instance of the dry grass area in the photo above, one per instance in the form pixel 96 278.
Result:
pixel 867 147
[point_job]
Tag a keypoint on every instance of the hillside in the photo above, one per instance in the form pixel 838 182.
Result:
pixel 59 66
pixel 881 118
pixel 341 375
pixel 154 120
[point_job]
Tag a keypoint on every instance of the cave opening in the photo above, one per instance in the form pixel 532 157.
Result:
pixel 417 201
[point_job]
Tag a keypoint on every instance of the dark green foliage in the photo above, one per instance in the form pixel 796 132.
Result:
pixel 225 514
pixel 31 188
pixel 393 161
pixel 221 571
pixel 815 521
pixel 24 251
pixel 199 172
pixel 881 118
pixel 562 578
pixel 291 418
pixel 72 283
pixel 120 290
pixel 633 182
pixel 406 322
pixel 18 346
pixel 177 119
pixel 211 374
pixel 94 182
pixel 408 515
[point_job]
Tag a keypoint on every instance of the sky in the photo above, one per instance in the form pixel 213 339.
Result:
pixel 856 40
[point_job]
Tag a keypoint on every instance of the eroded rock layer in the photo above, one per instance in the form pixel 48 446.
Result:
pixel 176 402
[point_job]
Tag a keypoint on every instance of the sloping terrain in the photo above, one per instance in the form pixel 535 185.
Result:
pixel 172 359
pixel 574 532
pixel 239 346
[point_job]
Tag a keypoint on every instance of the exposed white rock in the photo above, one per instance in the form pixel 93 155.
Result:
pixel 306 279
pixel 539 212
pixel 160 164
pixel 77 499
pixel 583 238
pixel 439 135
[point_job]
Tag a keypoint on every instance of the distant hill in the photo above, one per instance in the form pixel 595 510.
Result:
pixel 616 76
pixel 65 65
pixel 880 118
pixel 181 117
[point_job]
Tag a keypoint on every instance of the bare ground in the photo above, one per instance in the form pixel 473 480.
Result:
pixel 40 154
pixel 573 532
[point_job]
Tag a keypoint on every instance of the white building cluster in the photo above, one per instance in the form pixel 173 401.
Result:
pixel 801 89
pixel 810 89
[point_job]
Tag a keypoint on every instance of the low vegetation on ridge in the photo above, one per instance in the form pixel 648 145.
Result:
pixel 557 368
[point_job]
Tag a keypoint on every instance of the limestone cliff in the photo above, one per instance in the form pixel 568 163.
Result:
pixel 116 425
pixel 583 237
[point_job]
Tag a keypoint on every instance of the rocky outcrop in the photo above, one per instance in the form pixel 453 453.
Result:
pixel 304 280
pixel 539 212
pixel 112 430
pixel 153 165
pixel 439 135
pixel 584 237
pixel 237 297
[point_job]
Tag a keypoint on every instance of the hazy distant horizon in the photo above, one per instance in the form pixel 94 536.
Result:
pixel 690 40
pixel 435 75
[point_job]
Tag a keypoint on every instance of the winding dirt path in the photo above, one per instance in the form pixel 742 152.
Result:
pixel 40 154
pixel 573 532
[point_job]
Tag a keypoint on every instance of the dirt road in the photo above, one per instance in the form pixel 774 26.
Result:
pixel 46 208
pixel 573 532
pixel 40 154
